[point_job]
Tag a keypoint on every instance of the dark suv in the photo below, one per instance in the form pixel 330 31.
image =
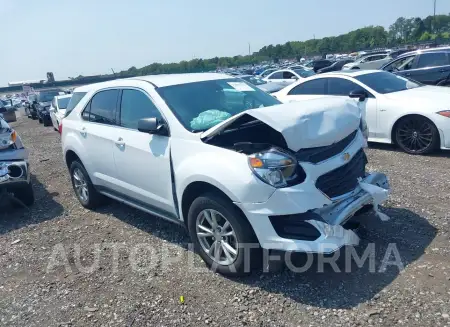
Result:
pixel 40 105
pixel 428 66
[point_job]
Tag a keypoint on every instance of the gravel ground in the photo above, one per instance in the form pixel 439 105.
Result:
pixel 45 255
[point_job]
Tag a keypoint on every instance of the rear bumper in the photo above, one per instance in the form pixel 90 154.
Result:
pixel 14 173
pixel 319 229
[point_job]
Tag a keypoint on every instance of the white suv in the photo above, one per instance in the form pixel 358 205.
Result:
pixel 225 159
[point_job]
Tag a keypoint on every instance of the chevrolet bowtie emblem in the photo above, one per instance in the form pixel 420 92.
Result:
pixel 346 156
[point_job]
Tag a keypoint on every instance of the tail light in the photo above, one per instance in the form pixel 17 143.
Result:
pixel 60 127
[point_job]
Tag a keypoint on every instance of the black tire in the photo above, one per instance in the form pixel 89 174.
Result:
pixel 56 130
pixel 47 122
pixel 94 198
pixel 416 135
pixel 248 249
pixel 356 68
pixel 40 120
pixel 25 194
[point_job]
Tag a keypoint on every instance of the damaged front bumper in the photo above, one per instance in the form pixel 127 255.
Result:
pixel 303 219
pixel 14 173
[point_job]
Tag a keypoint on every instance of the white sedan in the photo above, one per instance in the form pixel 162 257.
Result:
pixel 288 76
pixel 398 110
pixel 58 109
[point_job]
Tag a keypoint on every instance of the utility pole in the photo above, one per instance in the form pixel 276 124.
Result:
pixel 249 52
pixel 434 16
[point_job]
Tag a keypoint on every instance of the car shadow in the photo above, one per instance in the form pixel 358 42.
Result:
pixel 393 148
pixel 44 208
pixel 391 246
pixel 407 233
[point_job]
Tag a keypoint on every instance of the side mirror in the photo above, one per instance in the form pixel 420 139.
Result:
pixel 360 94
pixel 294 77
pixel 153 126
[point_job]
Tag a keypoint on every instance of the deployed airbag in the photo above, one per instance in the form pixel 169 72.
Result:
pixel 305 124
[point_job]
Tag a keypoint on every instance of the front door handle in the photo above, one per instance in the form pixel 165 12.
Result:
pixel 120 142
pixel 83 132
pixel 407 74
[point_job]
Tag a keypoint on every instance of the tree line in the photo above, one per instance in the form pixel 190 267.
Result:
pixel 403 31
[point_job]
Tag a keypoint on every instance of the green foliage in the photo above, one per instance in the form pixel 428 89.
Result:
pixel 402 31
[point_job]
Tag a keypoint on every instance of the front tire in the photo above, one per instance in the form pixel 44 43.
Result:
pixel 25 194
pixel 416 135
pixel 222 236
pixel 83 187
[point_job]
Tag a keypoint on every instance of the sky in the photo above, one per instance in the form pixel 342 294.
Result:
pixel 88 37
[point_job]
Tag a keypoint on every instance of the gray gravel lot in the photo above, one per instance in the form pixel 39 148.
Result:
pixel 134 286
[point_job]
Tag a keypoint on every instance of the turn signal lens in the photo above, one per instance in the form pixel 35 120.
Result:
pixel 445 113
pixel 13 136
pixel 256 163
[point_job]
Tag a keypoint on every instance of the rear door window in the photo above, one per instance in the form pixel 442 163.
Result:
pixel 342 87
pixel 276 75
pixel 432 59
pixel 316 87
pixel 103 107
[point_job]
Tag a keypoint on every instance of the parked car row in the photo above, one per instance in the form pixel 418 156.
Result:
pixel 397 110
pixel 48 106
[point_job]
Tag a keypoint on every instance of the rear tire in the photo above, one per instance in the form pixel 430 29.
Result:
pixel 83 187
pixel 242 238
pixel 25 194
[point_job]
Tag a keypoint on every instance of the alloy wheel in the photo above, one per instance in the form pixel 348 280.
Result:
pixel 80 184
pixel 415 135
pixel 217 237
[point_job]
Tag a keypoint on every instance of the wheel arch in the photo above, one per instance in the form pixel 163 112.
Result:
pixel 70 157
pixel 196 189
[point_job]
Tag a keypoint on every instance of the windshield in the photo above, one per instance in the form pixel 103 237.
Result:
pixel 63 102
pixel 47 96
pixel 202 105
pixel 304 72
pixel 384 82
pixel 254 80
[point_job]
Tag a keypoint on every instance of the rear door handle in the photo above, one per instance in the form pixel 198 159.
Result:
pixel 443 70
pixel 120 142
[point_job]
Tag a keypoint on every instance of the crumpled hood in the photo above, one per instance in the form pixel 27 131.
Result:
pixel 306 124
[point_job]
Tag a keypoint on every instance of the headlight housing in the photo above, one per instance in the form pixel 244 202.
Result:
pixel 445 113
pixel 8 139
pixel 364 129
pixel 276 168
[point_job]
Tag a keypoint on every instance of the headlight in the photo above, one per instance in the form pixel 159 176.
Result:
pixel 364 129
pixel 276 167
pixel 8 139
pixel 445 113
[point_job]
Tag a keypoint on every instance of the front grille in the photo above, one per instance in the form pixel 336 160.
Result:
pixel 318 154
pixel 345 178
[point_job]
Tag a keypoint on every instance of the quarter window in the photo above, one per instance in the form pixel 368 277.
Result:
pixel 135 105
pixel 317 86
pixel 432 60
pixel 103 107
